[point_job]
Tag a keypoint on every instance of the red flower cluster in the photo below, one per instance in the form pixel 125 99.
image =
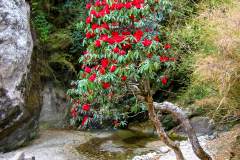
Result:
pixel 85 118
pixel 124 78
pixel 146 42
pixel 138 35
pixel 105 85
pixel 104 62
pixel 90 35
pixel 164 80
pixel 74 112
pixel 163 59
pixel 113 68
pixel 86 107
pixel 92 77
pixel 87 69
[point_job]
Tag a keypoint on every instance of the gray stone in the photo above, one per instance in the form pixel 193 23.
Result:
pixel 18 111
pixel 53 111
pixel 19 156
pixel 164 149
pixel 53 145
pixel 201 125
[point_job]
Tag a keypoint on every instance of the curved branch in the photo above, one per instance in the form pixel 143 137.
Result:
pixel 181 116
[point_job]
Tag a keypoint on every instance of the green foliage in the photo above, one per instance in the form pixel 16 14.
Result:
pixel 42 26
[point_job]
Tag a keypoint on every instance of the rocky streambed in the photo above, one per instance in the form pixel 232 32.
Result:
pixel 117 145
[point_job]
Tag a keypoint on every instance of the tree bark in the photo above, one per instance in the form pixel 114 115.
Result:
pixel 179 114
pixel 160 130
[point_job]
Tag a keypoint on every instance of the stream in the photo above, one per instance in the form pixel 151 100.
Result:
pixel 120 145
pixel 114 145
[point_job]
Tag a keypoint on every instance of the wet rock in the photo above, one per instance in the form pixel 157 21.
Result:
pixel 18 111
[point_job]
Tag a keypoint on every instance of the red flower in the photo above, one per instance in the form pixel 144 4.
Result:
pixel 98 43
pixel 110 40
pixel 124 78
pixel 85 118
pixel 87 69
pixel 122 52
pixel 139 6
pixel 113 68
pixel 93 12
pixel 105 85
pixel 115 34
pixel 138 35
pixel 132 17
pixel 114 61
pixel 88 6
pixel 92 77
pixel 146 42
pixel 126 46
pixel 118 38
pixel 104 62
pixel 106 8
pixel 105 25
pixel 116 50
pixel 88 20
pixel 156 38
pixel 86 107
pixel 74 112
pixel 128 5
pixel 126 33
pixel 95 26
pixel 89 35
pixel 149 55
pixel 97 4
pixel 102 71
pixel 103 37
pixel 167 46
pixel 164 80
pixel 120 6
pixel 114 6
pixel 164 59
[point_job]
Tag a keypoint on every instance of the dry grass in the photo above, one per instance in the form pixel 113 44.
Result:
pixel 222 69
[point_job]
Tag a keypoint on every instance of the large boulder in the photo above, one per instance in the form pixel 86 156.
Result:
pixel 19 96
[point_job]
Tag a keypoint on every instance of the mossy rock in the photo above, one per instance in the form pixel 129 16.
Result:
pixel 174 136
pixel 168 122
pixel 59 40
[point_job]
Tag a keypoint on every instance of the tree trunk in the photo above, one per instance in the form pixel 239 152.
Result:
pixel 179 114
pixel 160 130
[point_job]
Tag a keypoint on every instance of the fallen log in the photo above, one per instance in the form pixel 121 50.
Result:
pixel 178 113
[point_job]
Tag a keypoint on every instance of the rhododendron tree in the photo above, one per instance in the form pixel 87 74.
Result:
pixel 125 54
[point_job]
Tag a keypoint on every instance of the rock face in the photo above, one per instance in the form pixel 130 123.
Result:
pixel 201 125
pixel 54 107
pixel 19 98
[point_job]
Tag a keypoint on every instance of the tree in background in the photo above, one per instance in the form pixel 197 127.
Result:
pixel 126 55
